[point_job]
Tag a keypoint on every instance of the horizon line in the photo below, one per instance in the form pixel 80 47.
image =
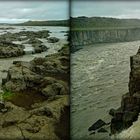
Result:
pixel 114 17
pixel 24 21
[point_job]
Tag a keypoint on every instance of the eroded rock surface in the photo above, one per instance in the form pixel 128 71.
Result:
pixel 53 39
pixel 39 108
pixel 8 49
pixel 49 75
pixel 36 123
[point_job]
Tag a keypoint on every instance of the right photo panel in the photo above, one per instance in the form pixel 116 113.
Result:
pixel 105 70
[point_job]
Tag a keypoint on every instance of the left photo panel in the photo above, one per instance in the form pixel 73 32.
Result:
pixel 34 70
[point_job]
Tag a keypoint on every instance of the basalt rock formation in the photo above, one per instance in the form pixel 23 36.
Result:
pixel 130 104
pixel 93 36
pixel 89 31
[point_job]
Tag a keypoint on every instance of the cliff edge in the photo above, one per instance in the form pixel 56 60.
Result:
pixel 130 104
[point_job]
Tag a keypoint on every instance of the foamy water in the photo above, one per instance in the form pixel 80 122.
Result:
pixel 132 133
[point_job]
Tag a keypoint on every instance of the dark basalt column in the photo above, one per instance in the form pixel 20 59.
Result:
pixel 130 104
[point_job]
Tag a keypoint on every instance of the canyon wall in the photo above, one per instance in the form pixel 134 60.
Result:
pixel 130 104
pixel 80 38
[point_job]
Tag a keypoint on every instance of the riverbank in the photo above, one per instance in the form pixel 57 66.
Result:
pixel 25 118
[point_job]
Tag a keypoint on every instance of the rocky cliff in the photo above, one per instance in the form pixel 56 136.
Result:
pixel 130 104
pixel 92 36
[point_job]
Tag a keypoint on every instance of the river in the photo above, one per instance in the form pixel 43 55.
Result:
pixel 58 32
pixel 99 77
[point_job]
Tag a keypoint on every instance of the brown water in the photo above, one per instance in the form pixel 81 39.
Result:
pixel 100 75
pixel 27 99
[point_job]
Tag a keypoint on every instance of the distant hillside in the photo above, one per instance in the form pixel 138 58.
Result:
pixel 102 22
pixel 45 23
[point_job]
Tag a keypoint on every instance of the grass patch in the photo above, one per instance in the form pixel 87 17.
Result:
pixel 7 95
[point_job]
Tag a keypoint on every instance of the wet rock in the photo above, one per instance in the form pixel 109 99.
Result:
pixel 33 129
pixel 49 91
pixel 13 132
pixel 4 71
pixel 130 116
pixel 8 123
pixel 4 110
pixel 130 104
pixel 64 124
pixel 98 124
pixel 38 34
pixel 33 41
pixel 36 123
pixel 8 49
pixel 25 35
pixel 43 111
pixel 116 125
pixel 2 105
pixel 53 39
pixel 112 112
pixel 92 133
pixel 45 119
pixel 20 78
pixel 39 48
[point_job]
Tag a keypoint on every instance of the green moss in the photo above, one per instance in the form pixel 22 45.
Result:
pixel 97 23
pixel 45 23
pixel 7 95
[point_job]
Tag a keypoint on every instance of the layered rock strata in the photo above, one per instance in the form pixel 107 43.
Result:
pixel 82 37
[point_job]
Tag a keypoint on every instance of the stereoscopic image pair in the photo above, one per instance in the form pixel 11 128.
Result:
pixel 69 70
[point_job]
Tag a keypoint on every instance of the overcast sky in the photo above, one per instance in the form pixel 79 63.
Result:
pixel 117 9
pixel 14 11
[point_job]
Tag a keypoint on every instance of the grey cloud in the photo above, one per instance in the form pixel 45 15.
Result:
pixel 118 9
pixel 19 11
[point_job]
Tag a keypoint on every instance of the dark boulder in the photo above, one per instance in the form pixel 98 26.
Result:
pixel 98 124
pixel 53 39
pixel 102 130
pixel 92 133
pixel 112 112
